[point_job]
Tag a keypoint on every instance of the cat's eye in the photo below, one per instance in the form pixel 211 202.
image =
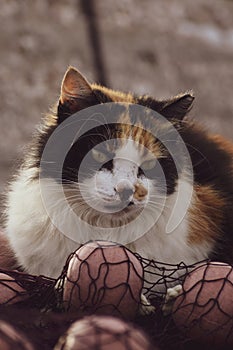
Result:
pixel 99 156
pixel 151 169
pixel 148 164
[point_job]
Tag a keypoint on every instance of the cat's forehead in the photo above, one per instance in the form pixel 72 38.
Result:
pixel 136 135
pixel 134 151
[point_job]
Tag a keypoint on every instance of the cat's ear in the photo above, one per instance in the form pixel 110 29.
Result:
pixel 178 106
pixel 76 94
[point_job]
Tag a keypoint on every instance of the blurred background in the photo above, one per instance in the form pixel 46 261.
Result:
pixel 152 46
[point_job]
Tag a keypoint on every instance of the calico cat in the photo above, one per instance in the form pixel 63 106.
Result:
pixel 129 174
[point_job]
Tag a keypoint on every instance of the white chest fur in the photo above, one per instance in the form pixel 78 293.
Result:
pixel 42 249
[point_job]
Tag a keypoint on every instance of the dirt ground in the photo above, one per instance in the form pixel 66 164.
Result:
pixel 156 47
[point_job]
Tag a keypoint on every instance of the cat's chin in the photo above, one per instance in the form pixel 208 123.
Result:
pixel 109 217
pixel 123 215
pixel 119 208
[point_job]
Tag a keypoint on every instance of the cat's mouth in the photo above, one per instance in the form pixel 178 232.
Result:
pixel 118 208
pixel 119 205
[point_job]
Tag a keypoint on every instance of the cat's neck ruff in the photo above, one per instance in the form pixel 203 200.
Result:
pixel 42 249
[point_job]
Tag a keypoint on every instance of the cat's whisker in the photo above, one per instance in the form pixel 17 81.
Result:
pixel 156 203
pixel 84 199
pixel 199 152
pixel 157 207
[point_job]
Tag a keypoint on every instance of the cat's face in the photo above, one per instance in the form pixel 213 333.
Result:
pixel 115 171
pixel 120 183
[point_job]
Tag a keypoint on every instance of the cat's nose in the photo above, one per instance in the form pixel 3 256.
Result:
pixel 125 190
pixel 125 194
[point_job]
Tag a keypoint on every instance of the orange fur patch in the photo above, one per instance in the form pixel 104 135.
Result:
pixel 138 134
pixel 223 144
pixel 140 192
pixel 205 215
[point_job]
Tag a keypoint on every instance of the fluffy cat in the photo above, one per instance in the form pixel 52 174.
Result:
pixel 128 162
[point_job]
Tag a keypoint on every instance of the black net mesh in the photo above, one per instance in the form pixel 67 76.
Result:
pixel 204 310
pixel 33 291
pixel 112 276
pixel 193 304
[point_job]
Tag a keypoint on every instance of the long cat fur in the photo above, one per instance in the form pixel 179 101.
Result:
pixel 206 230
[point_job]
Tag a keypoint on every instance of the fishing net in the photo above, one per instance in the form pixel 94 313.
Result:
pixel 182 307
pixel 113 279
